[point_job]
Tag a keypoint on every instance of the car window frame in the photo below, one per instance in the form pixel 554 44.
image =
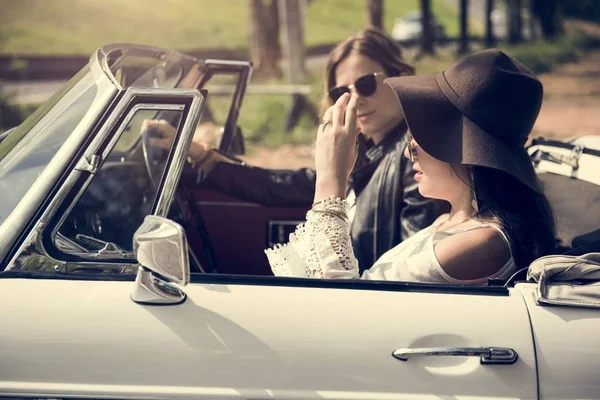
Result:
pixel 37 237
pixel 353 284
pixel 106 154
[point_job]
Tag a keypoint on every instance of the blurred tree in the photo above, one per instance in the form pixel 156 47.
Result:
pixel 265 50
pixel 547 11
pixel 375 14
pixel 427 38
pixel 518 16
pixel 490 40
pixel 584 9
pixel 463 43
pixel 292 15
pixel 533 29
pixel 515 21
pixel 291 21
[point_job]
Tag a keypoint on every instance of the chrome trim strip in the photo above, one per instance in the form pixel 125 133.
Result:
pixel 233 63
pixel 142 106
pixel 180 154
pixel 226 203
pixel 106 267
pixel 98 61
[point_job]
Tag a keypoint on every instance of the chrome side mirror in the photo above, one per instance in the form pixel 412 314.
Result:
pixel 161 248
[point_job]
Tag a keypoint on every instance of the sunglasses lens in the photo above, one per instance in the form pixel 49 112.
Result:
pixel 337 92
pixel 366 85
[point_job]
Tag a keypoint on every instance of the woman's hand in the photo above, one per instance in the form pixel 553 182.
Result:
pixel 336 148
pixel 198 151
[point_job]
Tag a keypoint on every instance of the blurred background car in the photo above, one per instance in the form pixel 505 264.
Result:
pixel 409 27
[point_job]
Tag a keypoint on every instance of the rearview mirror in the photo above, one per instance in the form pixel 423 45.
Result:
pixel 161 248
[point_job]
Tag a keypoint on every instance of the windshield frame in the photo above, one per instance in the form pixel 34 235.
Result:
pixel 28 148
pixel 47 181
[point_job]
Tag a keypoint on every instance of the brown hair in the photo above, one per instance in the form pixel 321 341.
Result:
pixel 524 215
pixel 371 43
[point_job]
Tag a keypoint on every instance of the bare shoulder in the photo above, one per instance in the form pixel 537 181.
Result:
pixel 474 254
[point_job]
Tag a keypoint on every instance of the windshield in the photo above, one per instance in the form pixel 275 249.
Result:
pixel 142 68
pixel 28 149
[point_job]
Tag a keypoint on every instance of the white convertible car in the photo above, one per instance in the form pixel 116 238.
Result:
pixel 103 296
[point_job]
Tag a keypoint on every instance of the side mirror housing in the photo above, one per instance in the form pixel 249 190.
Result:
pixel 160 246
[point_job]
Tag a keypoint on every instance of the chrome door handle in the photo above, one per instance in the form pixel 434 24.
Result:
pixel 488 355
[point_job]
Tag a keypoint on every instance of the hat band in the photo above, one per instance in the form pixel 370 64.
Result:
pixel 484 121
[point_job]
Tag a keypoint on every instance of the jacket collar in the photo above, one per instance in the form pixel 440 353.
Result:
pixel 370 155
pixel 375 152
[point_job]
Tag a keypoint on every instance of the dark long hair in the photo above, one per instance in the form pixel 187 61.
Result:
pixel 523 214
pixel 371 43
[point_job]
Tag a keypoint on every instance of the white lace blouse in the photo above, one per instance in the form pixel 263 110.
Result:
pixel 321 248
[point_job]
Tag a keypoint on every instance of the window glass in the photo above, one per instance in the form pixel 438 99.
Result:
pixel 221 89
pixel 121 193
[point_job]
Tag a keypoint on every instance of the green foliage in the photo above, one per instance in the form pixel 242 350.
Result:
pixel 263 116
pixel 584 9
pixel 48 26
pixel 11 115
pixel 543 56
pixel 81 26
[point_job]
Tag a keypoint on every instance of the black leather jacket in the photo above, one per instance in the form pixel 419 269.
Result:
pixel 389 207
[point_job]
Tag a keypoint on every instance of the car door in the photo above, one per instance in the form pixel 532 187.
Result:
pixel 262 338
pixel 302 339
pixel 227 219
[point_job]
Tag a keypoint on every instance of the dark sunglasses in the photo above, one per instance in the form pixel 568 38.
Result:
pixel 365 86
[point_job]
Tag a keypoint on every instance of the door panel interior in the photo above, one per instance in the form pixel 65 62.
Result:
pixel 240 231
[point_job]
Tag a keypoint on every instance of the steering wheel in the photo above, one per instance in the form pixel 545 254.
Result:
pixel 155 157
pixel 113 205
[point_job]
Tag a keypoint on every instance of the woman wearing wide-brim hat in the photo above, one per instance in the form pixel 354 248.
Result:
pixel 469 125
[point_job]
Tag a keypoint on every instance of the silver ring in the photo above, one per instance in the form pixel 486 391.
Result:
pixel 325 123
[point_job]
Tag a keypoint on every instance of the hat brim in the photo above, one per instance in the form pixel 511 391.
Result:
pixel 448 135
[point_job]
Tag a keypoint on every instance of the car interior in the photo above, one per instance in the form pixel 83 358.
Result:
pixel 227 235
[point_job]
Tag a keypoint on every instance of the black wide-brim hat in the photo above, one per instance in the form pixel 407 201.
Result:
pixel 478 112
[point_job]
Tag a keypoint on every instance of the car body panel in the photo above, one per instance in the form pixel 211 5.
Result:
pixel 245 341
pixel 567 350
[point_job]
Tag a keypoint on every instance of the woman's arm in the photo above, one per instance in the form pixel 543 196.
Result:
pixel 322 247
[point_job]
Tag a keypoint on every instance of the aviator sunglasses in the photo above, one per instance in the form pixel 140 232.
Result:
pixel 365 86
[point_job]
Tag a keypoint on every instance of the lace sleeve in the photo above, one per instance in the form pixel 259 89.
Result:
pixel 319 248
